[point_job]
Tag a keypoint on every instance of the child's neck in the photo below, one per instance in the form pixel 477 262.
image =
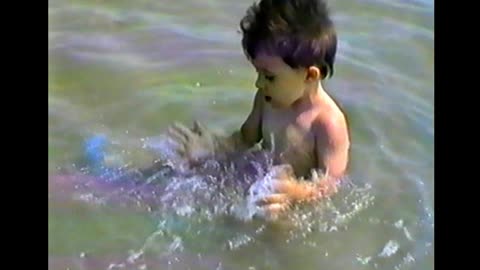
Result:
pixel 316 95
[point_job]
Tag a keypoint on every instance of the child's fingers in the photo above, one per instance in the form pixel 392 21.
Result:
pixel 196 127
pixel 274 199
pixel 178 142
pixel 328 189
pixel 282 186
pixel 199 128
pixel 183 130
pixel 296 191
pixel 181 152
pixel 273 210
pixel 177 136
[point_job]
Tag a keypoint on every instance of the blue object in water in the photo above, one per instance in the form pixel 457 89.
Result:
pixel 95 154
pixel 94 150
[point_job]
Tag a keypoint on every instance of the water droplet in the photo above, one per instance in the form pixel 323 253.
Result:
pixel 363 260
pixel 399 224
pixel 407 234
pixel 390 248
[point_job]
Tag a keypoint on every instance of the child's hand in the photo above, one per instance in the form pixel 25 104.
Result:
pixel 285 193
pixel 326 188
pixel 193 143
pixel 277 191
pixel 287 190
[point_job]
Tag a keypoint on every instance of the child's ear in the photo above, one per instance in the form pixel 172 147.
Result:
pixel 313 74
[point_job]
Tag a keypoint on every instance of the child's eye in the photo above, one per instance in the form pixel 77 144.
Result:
pixel 269 77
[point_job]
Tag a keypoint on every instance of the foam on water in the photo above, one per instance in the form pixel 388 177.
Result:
pixel 217 186
pixel 187 198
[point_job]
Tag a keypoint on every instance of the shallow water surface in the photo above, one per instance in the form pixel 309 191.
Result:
pixel 128 69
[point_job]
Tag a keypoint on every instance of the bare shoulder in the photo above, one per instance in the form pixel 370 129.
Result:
pixel 331 127
pixel 332 142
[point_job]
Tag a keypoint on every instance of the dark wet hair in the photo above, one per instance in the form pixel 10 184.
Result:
pixel 298 31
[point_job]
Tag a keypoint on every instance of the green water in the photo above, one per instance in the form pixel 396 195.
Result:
pixel 128 69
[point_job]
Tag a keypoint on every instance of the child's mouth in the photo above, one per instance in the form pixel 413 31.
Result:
pixel 268 98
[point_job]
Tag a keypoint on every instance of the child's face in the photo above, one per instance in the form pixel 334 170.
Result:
pixel 280 84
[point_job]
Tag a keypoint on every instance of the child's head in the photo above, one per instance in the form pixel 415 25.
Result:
pixel 292 38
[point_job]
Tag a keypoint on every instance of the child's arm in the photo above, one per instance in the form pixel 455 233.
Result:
pixel 199 142
pixel 332 147
pixel 250 132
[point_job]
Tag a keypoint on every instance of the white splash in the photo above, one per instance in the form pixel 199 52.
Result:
pixel 389 249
